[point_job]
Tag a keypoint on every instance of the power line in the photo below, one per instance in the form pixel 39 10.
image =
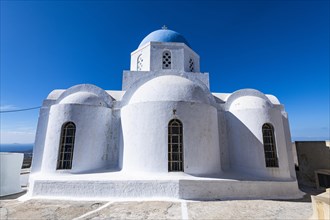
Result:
pixel 20 110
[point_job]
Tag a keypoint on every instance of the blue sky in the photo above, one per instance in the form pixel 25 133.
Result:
pixel 277 47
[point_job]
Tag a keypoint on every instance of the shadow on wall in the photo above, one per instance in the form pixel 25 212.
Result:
pixel 313 163
pixel 246 151
pixel 121 145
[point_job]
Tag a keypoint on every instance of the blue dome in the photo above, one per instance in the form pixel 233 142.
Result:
pixel 164 36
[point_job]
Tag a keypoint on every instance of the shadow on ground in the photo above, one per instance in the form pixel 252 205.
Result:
pixel 308 190
pixel 13 196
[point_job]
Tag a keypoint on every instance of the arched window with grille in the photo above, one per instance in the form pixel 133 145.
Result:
pixel 269 145
pixel 167 60
pixel 175 146
pixel 65 155
pixel 139 64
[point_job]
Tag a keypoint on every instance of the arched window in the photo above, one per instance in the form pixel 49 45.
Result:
pixel 167 60
pixel 65 155
pixel 139 63
pixel 269 145
pixel 175 146
pixel 191 65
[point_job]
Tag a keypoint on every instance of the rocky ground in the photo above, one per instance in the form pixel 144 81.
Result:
pixel 12 208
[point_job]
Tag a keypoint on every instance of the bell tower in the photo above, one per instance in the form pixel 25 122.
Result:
pixel 164 52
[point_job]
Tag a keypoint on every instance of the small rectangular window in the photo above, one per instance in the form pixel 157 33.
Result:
pixel 167 60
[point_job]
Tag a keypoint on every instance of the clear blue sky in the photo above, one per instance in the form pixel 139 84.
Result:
pixel 277 47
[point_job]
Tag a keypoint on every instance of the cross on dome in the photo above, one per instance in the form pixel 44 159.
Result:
pixel 164 27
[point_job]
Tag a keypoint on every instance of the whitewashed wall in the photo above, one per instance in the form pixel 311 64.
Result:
pixel 145 54
pixel 247 111
pixel 10 170
pixel 91 147
pixel 39 143
pixel 145 137
pixel 223 141
pixel 145 117
pixel 89 107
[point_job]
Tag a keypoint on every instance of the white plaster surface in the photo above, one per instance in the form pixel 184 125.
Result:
pixel 169 88
pixel 90 153
pixel 201 154
pixel 86 94
pixel 85 98
pixel 139 185
pixel 117 95
pixel 247 112
pixel 10 169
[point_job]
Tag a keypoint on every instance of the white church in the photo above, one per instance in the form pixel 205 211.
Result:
pixel 165 135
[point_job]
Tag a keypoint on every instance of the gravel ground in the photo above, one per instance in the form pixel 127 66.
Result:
pixel 236 209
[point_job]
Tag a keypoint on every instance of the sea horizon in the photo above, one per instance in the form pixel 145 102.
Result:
pixel 16 148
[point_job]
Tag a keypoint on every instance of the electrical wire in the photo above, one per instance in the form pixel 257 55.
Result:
pixel 20 110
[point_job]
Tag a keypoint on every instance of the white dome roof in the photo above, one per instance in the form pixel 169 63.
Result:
pixel 169 88
pixel 248 99
pixel 86 98
pixel 249 102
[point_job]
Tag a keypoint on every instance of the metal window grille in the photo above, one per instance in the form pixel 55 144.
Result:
pixel 175 146
pixel 269 145
pixel 191 65
pixel 139 63
pixel 167 60
pixel 65 156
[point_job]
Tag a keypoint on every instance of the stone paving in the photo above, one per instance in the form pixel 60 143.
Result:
pixel 250 209
pixel 139 210
pixel 234 209
pixel 45 209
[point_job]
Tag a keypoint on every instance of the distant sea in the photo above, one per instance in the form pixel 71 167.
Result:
pixel 17 148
